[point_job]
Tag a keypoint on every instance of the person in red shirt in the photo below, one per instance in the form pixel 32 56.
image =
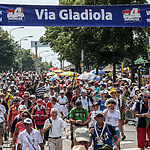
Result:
pixel 13 111
pixel 21 88
pixel 47 104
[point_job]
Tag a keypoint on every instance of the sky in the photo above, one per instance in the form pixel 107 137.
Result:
pixel 36 32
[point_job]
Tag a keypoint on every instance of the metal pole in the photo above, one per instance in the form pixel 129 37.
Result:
pixel 21 57
pixel 82 58
pixel 36 57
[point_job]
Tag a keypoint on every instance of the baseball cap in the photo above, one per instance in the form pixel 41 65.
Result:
pixel 39 101
pixel 28 121
pixel 61 91
pixel 99 112
pixel 46 95
pixel 79 147
pixel 22 108
pixel 32 96
pixel 83 91
pixel 82 134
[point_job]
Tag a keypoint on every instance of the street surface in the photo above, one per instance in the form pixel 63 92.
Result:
pixel 130 143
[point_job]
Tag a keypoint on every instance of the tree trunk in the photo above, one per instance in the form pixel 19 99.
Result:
pixel 97 70
pixel 132 55
pixel 114 68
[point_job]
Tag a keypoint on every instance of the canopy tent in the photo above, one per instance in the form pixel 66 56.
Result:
pixel 108 68
pixel 85 76
pixel 141 61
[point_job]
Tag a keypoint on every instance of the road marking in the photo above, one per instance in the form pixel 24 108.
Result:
pixel 132 149
pixel 126 142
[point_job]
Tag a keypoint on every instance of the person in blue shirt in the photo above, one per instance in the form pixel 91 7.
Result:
pixel 102 133
pixel 97 90
pixel 102 101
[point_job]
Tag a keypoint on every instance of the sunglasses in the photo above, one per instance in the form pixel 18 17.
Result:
pixel 26 124
pixel 99 116
pixel 146 97
pixel 25 116
pixel 16 101
pixel 113 93
pixel 111 103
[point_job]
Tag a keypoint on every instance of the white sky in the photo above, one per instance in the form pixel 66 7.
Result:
pixel 36 32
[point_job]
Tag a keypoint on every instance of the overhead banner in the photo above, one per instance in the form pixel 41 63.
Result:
pixel 73 16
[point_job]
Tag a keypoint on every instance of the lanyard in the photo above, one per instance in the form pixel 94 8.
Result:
pixel 99 137
pixel 145 105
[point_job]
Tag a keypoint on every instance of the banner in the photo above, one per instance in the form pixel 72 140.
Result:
pixel 73 16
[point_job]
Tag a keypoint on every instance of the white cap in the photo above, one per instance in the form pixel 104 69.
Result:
pixel 84 91
pixel 28 121
pixel 54 109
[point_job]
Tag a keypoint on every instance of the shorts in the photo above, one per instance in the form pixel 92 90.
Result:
pixel 118 134
pixel 141 136
pixel 39 126
pixel 2 128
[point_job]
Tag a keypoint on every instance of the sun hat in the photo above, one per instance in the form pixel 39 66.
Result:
pixel 110 100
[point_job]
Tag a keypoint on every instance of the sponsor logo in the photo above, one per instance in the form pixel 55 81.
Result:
pixel 131 16
pixel 15 15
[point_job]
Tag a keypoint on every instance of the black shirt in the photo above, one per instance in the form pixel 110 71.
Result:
pixel 142 120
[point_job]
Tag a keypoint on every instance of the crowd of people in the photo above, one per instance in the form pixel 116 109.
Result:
pixel 34 110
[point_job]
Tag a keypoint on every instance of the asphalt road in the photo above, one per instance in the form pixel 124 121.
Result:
pixel 130 143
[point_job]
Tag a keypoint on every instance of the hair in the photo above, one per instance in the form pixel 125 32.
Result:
pixel 54 99
pixel 26 111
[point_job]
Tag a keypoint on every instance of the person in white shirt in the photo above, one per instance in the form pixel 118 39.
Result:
pixel 113 117
pixel 3 115
pixel 30 139
pixel 85 100
pixel 58 106
pixel 47 86
pixel 63 101
pixel 55 130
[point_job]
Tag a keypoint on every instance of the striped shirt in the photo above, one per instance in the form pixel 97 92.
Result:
pixel 40 91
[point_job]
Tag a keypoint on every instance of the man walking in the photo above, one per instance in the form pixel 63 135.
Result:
pixel 55 125
pixel 30 138
pixel 141 112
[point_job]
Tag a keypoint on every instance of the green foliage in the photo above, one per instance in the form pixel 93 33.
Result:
pixel 7 51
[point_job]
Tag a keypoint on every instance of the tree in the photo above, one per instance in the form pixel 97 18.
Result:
pixel 7 51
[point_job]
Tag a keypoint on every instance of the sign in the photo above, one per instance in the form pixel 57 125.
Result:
pixel 38 44
pixel 145 79
pixel 73 16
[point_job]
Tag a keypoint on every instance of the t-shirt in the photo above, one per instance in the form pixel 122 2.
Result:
pixel 97 91
pixel 34 137
pixel 2 112
pixel 102 104
pixel 62 100
pixel 142 120
pixel 13 111
pixel 79 115
pixel 112 117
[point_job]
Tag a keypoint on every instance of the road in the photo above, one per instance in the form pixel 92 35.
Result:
pixel 130 143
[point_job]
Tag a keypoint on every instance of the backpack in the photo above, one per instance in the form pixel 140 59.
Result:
pixel 83 113
pixel 46 134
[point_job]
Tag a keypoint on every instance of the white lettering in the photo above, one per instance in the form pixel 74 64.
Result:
pixel 84 15
pixel 46 14
pixel 63 14
pixel 109 16
pixel 39 15
pixel 76 16
pixel 70 14
pixel 52 16
pixel 97 16
pixel 90 14
pixel 103 14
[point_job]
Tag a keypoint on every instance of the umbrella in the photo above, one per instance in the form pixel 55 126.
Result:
pixel 85 76
pixel 58 71
pixel 95 78
pixel 54 78
pixel 50 73
pixel 67 73
pixel 53 68
pixel 99 71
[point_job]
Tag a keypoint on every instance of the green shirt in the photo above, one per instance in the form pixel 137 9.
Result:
pixel 79 114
